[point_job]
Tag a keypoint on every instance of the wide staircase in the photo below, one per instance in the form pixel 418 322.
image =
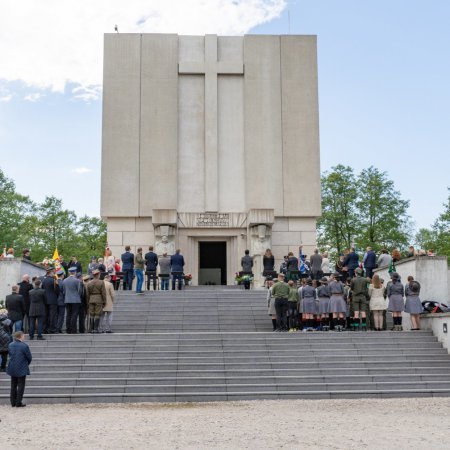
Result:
pixel 207 345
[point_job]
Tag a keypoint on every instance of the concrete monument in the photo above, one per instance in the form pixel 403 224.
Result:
pixel 211 141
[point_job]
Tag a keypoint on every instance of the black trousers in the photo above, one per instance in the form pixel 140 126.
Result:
pixel 17 390
pixel 4 359
pixel 151 274
pixel 81 319
pixel 52 318
pixel 281 308
pixel 73 310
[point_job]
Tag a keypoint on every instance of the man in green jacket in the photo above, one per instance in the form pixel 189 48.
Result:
pixel 139 262
pixel 360 299
pixel 280 291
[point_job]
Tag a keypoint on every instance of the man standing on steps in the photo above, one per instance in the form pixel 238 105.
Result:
pixel 360 299
pixel 139 263
pixel 280 291
pixel 72 291
pixel 151 263
pixel 51 288
pixel 96 299
pixel 176 268
pixel 316 265
pixel 164 271
pixel 127 267
pixel 18 368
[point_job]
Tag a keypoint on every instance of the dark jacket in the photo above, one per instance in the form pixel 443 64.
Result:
pixel 20 359
pixel 176 263
pixel 371 260
pixel 351 260
pixel 292 263
pixel 37 303
pixel 24 291
pixel 316 262
pixel 127 261
pixel 359 287
pixel 77 265
pixel 5 334
pixel 16 307
pixel 151 261
pixel 247 263
pixel 51 289
pixel 268 263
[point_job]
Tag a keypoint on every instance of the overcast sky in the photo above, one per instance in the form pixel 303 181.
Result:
pixel 384 72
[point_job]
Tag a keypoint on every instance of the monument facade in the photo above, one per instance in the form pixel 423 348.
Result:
pixel 211 144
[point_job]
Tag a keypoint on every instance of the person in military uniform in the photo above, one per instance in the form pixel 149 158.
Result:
pixel 96 300
pixel 360 300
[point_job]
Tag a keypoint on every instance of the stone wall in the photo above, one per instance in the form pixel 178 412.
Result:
pixel 11 272
pixel 430 272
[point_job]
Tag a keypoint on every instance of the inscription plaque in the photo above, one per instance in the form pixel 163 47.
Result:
pixel 221 220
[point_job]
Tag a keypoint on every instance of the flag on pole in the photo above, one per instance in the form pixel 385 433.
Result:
pixel 56 261
pixel 55 254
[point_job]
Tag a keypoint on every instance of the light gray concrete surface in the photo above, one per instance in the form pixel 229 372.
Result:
pixel 11 272
pixel 398 424
pixel 197 124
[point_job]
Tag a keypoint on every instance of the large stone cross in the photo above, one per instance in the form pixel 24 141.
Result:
pixel 211 68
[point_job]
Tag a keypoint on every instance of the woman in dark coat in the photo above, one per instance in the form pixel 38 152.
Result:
pixel 395 292
pixel 413 305
pixel 268 261
pixel 37 310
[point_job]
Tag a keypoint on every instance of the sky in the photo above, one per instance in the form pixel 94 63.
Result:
pixel 384 91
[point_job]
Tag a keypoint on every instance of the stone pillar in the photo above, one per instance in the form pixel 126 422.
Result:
pixel 259 243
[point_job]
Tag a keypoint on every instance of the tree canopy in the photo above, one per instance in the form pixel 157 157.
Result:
pixel 363 209
pixel 41 227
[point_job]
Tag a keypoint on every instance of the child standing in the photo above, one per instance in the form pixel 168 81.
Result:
pixel 323 293
pixel 309 304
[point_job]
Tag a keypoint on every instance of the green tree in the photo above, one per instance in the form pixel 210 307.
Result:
pixel 425 238
pixel 52 227
pixel 14 209
pixel 438 237
pixel 383 214
pixel 339 222
pixel 91 238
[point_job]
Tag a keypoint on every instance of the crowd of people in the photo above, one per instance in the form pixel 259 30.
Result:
pixel 306 295
pixel 66 300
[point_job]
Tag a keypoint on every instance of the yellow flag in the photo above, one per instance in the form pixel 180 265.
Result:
pixel 55 254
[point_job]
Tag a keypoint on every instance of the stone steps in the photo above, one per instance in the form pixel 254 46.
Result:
pixel 229 357
pixel 281 365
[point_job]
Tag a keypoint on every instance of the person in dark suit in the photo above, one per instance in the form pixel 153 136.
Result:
pixel 151 264
pixel 177 268
pixel 351 261
pixel 127 267
pixel 51 288
pixel 37 310
pixel 18 368
pixel 15 305
pixel 369 262
pixel 75 263
pixel 24 290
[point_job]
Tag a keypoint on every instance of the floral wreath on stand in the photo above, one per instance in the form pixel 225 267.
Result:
pixel 242 279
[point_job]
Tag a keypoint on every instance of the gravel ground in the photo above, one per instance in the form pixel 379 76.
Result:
pixel 288 424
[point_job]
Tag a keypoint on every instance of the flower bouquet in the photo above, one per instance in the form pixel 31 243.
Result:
pixel 187 279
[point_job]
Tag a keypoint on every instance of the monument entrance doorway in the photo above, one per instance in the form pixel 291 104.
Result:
pixel 212 263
